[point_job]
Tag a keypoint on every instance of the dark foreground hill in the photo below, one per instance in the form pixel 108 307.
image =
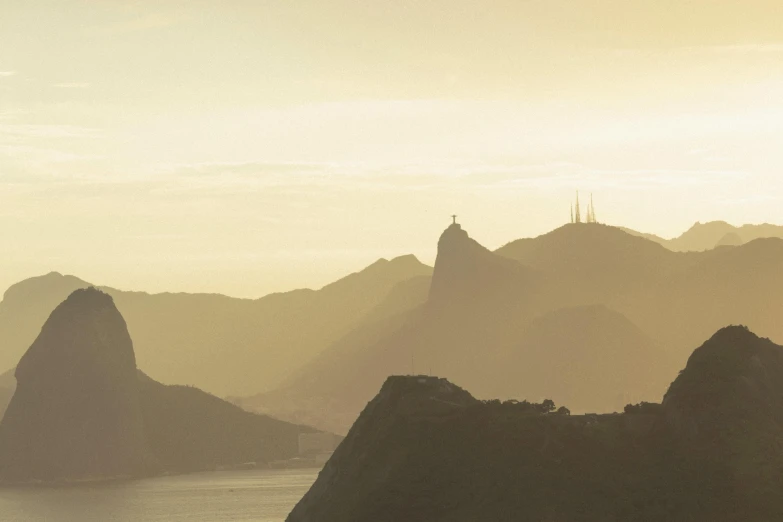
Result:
pixel 425 450
pixel 82 411
pixel 224 345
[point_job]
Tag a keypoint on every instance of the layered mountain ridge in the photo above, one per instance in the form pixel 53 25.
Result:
pixel 582 301
pixel 706 236
pixel 605 314
pixel 225 345
pixel 82 411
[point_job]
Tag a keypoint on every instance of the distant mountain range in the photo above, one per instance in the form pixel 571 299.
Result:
pixel 425 450
pixel 605 313
pixel 81 410
pixel 224 345
pixel 587 315
pixel 706 236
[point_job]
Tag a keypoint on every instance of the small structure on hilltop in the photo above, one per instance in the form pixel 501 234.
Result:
pixel 576 213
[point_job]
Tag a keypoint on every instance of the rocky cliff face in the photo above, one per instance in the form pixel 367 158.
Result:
pixel 82 411
pixel 734 374
pixel 75 413
pixel 361 458
pixel 727 407
pixel 465 270
pixel 711 452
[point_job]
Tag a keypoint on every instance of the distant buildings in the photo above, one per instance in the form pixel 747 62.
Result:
pixel 318 443
pixel 315 450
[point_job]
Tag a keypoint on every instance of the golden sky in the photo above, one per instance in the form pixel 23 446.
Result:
pixel 244 147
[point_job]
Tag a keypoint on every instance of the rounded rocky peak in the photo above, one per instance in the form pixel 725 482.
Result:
pixel 729 398
pixel 425 385
pixel 734 341
pixel 85 330
pixel 454 232
pixel 75 413
pixel 455 242
pixel 732 338
pixel 91 297
pixel 465 269
pixel 734 358
pixel 406 260
pixel 399 262
pixel 421 395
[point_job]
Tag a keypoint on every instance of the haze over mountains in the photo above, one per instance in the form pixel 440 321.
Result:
pixel 256 247
pixel 76 409
pixel 605 314
pixel 227 346
pixel 586 315
pixel 425 450
pixel 81 410
pixel 706 236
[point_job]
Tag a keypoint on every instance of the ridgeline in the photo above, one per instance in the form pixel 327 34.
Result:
pixel 82 411
pixel 424 450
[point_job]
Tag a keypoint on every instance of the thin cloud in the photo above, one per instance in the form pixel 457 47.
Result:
pixel 72 85
pixel 15 132
pixel 635 179
pixel 11 114
pixel 7 74
pixel 743 48
pixel 729 49
pixel 141 21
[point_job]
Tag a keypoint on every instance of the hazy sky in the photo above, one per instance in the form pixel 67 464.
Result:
pixel 244 147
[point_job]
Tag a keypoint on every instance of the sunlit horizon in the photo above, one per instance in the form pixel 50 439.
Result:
pixel 250 149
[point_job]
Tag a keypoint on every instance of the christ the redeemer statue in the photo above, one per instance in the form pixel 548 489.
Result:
pixel 454 219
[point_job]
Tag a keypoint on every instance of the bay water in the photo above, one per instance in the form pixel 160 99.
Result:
pixel 246 496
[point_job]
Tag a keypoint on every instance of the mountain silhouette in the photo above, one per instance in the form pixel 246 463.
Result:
pixel 480 320
pixel 734 373
pixel 315 394
pixel 504 335
pixel 81 410
pixel 728 405
pixel 224 345
pixel 26 306
pixel 190 430
pixel 425 450
pixel 465 269
pixel 593 263
pixel 75 412
pixel 628 309
pixel 706 236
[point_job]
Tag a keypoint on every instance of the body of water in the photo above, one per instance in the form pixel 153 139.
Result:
pixel 257 496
